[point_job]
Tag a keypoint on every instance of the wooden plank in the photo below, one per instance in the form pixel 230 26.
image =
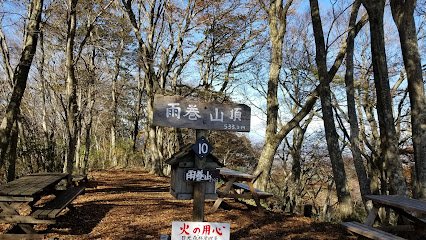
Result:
pixel 27 228
pixel 21 236
pixel 24 219
pixel 255 197
pixel 31 184
pixel 368 231
pixel 15 199
pixel 7 209
pixel 372 215
pixel 7 188
pixel 247 188
pixel 236 195
pixel 397 201
pixel 175 111
pixel 199 187
pixel 45 181
pixel 235 174
pixel 53 208
pixel 260 193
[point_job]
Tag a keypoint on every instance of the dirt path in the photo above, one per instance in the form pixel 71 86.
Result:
pixel 132 204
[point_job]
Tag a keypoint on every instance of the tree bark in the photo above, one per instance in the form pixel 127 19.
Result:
pixel 277 17
pixel 137 111
pixel 403 15
pixel 72 108
pixel 113 151
pixel 363 180
pixel 6 58
pixel 389 142
pixel 48 154
pixel 20 75
pixel 12 153
pixel 332 138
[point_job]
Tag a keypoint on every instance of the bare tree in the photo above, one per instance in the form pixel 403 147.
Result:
pixel 388 137
pixel 403 15
pixel 277 16
pixel 364 181
pixel 20 75
pixel 339 173
pixel 73 115
pixel 274 137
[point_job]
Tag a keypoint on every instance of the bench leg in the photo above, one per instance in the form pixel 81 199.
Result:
pixel 27 228
pixel 225 191
pixel 372 216
pixel 255 197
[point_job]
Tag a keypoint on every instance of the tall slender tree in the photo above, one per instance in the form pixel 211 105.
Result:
pixel 20 74
pixel 332 138
pixel 277 13
pixel 72 108
pixel 363 180
pixel 388 137
pixel 403 15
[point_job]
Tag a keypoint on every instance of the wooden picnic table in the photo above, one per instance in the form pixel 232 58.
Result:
pixel 234 187
pixel 29 189
pixel 408 210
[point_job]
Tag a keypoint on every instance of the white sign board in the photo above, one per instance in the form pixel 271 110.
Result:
pixel 200 231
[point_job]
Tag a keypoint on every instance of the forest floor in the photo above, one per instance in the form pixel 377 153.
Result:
pixel 133 204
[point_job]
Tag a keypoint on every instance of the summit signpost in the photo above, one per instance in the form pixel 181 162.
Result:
pixel 175 111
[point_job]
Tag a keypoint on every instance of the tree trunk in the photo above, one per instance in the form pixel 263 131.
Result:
pixel 155 161
pixel 363 180
pixel 20 75
pixel 332 138
pixel 79 133
pixel 137 110
pixel 46 156
pixel 403 15
pixel 6 58
pixel 277 17
pixel 72 111
pixel 87 146
pixel 113 151
pixel 12 153
pixel 88 140
pixel 389 142
pixel 294 185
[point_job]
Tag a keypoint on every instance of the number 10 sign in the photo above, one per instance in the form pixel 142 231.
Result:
pixel 202 147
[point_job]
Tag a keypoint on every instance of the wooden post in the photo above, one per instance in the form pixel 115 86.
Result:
pixel 199 187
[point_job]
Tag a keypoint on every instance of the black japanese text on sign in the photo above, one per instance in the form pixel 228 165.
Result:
pixel 175 111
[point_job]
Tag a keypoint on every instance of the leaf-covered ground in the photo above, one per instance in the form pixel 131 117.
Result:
pixel 133 204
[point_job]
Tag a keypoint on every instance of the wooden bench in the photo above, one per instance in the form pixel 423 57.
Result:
pixel 234 188
pixel 245 187
pixel 52 209
pixel 370 232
